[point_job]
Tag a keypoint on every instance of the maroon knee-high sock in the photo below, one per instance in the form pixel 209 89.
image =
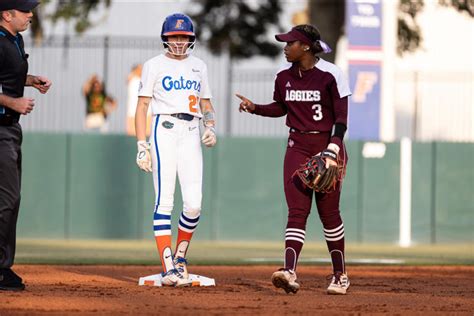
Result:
pixel 294 240
pixel 335 242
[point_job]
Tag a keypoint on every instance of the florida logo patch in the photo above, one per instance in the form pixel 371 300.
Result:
pixel 179 24
pixel 167 124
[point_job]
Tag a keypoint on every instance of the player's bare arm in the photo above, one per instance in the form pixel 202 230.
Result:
pixel 140 117
pixel 209 137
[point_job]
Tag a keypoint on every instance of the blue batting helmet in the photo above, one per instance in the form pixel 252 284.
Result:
pixel 177 24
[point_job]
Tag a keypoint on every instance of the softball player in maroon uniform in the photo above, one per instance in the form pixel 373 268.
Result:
pixel 313 94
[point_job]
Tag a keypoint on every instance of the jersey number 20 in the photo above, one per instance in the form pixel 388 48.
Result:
pixel 193 102
pixel 318 114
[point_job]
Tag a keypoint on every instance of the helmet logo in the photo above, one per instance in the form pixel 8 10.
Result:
pixel 179 24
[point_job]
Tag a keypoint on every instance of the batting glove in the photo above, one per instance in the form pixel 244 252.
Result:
pixel 209 137
pixel 143 156
pixel 335 148
pixel 331 154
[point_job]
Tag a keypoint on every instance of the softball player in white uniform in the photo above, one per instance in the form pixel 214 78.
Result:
pixel 176 87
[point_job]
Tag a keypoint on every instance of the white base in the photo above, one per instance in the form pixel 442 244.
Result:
pixel 198 280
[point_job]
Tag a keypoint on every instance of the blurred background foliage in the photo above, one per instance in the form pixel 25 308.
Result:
pixel 241 27
pixel 77 12
pixel 237 27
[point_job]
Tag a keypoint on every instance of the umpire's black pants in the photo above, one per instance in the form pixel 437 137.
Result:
pixel 10 183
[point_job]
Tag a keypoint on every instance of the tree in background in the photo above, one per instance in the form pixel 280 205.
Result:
pixel 239 27
pixel 76 11
pixel 329 17
pixel 242 28
pixel 408 31
pixel 460 5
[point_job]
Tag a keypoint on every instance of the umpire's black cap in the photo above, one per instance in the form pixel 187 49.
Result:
pixel 20 5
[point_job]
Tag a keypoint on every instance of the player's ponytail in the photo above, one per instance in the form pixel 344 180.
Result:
pixel 313 34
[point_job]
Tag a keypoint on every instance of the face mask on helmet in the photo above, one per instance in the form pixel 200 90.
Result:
pixel 179 48
pixel 174 25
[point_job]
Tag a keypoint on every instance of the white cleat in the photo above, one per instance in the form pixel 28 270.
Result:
pixel 339 284
pixel 181 264
pixel 285 279
pixel 174 278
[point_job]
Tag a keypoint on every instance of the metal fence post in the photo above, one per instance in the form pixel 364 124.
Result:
pixel 106 60
pixel 228 112
pixel 415 106
pixel 434 153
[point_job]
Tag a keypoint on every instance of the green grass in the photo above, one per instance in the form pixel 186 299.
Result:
pixel 139 252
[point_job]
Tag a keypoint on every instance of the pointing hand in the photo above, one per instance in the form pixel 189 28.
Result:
pixel 246 105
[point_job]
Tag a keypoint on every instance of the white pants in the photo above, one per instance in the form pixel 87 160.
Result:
pixel 176 149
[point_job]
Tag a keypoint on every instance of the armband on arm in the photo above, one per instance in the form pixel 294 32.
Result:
pixel 209 137
pixel 338 135
pixel 340 119
pixel 208 113
pixel 209 118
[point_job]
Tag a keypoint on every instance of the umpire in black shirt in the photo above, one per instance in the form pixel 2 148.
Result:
pixel 15 17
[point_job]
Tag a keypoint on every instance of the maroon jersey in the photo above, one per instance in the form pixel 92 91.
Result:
pixel 314 100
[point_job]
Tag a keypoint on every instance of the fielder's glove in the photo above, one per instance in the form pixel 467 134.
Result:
pixel 209 137
pixel 319 174
pixel 143 156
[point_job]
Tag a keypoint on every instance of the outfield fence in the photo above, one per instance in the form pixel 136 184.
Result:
pixel 88 187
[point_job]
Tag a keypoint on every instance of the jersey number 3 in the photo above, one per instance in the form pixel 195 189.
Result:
pixel 318 114
pixel 193 102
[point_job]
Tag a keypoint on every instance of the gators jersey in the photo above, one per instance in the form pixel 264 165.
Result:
pixel 175 86
pixel 311 96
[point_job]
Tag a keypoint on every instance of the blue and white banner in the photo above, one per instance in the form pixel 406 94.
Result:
pixel 364 31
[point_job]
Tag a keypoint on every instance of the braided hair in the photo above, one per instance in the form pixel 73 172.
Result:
pixel 312 33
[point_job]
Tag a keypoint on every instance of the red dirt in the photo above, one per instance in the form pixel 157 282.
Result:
pixel 112 290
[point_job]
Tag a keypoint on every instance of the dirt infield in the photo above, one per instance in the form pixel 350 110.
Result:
pixel 112 290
